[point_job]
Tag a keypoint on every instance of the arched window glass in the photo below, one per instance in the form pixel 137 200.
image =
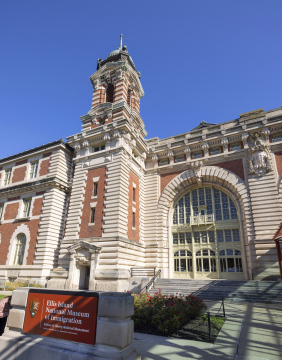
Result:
pixel 206 261
pixel 230 261
pixel 204 206
pixel 183 261
pixel 110 93
pixel 20 248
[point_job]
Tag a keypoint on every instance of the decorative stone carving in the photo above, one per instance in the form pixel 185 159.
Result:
pixel 245 139
pixel 155 159
pixel 197 167
pixel 132 143
pixel 107 138
pixel 170 155
pixel 205 147
pixel 266 133
pixel 143 156
pixel 258 154
pixel 77 146
pixel 224 143
pixel 85 144
pixel 187 151
pixel 116 135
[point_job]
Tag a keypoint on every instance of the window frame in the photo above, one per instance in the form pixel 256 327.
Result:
pixel 32 173
pixel 26 207
pixel 92 215
pixel 8 176
pixel 19 255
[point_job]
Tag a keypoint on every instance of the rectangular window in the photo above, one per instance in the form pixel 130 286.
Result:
pixel 92 215
pixel 163 162
pixel 98 148
pixel 1 211
pixel 95 189
pixel 197 155
pixel 33 169
pixel 215 151
pixel 276 137
pixel 179 158
pixel 133 220
pixel 236 146
pixel 26 207
pixel 7 178
pixel 134 194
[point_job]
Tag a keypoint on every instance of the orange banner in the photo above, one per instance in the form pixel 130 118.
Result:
pixel 62 315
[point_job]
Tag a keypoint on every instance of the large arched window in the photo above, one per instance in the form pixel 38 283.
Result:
pixel 110 93
pixel 20 249
pixel 205 225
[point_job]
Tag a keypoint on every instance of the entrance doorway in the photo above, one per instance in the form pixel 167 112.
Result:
pixel 84 277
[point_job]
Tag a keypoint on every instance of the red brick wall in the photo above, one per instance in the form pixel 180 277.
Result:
pixel 11 211
pixel 133 234
pixel 278 159
pixel 236 166
pixel 44 167
pixel 166 178
pixel 96 229
pixel 7 231
pixel 19 174
pixel 37 206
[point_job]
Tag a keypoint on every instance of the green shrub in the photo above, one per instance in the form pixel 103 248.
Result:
pixel 164 314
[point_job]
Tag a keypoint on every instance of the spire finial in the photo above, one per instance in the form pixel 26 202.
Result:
pixel 120 45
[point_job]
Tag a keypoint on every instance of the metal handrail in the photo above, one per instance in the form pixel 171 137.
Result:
pixel 151 282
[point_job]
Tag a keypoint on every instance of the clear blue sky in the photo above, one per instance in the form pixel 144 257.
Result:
pixel 200 60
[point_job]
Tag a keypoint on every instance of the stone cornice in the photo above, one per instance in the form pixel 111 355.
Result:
pixel 40 185
pixel 41 148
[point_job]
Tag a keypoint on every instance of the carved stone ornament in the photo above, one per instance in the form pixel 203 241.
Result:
pixel 197 167
pixel 85 144
pixel 259 154
pixel 245 138
pixel 224 143
pixel 107 137
pixel 170 155
pixel 77 146
pixel 155 159
pixel 205 147
pixel 116 135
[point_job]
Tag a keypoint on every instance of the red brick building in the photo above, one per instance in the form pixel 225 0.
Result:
pixel 203 204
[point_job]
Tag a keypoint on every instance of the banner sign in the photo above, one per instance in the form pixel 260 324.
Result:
pixel 67 315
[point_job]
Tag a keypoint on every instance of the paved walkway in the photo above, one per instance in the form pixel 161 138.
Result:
pixel 251 332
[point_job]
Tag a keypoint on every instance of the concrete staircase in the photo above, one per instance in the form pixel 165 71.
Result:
pixel 250 291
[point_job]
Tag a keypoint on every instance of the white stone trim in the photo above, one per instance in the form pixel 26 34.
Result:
pixel 96 179
pixel 93 205
pixel 12 248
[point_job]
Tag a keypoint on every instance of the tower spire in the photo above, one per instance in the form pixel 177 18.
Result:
pixel 120 44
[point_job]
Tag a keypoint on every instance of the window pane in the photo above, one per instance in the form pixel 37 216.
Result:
pixel 182 238
pixel 211 236
pixel 212 253
pixel 223 265
pixel 179 158
pixel 182 252
pixel 219 234
pixel 175 238
pixel 213 264
pixel 239 267
pixel 197 237
pixel 236 146
pixel 176 253
pixel 222 253
pixel 188 238
pixel 228 237
pixel 215 151
pixel 236 235
pixel 189 265
pixel 183 264
pixel 230 265
pixel 229 251
pixel 205 252
pixel 199 264
pixel 204 237
pixel 175 218
pixel 197 155
pixel 176 264
pixel 206 266
pixel 237 252
pixel 189 253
